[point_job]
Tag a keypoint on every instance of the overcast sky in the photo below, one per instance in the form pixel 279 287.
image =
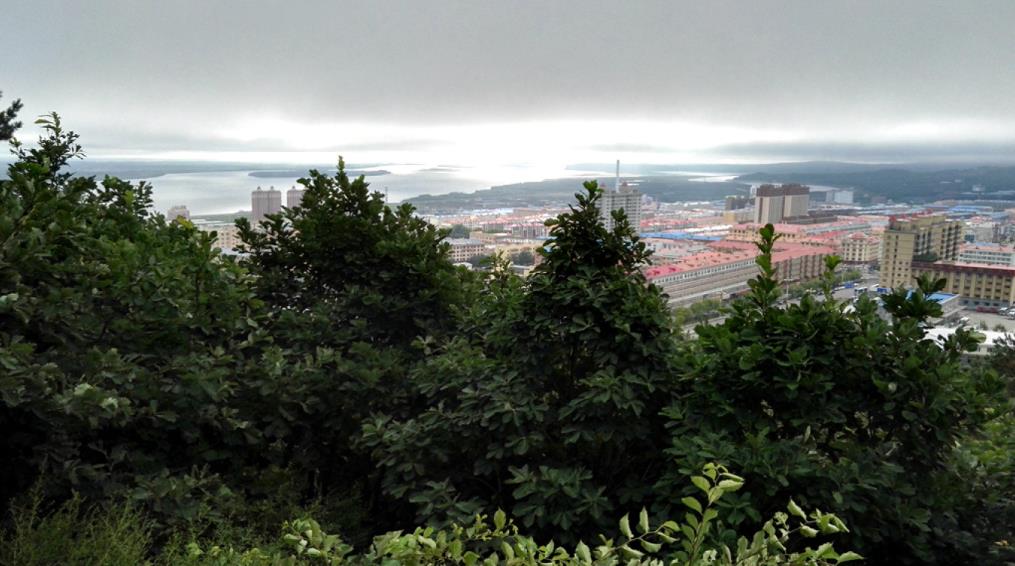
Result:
pixel 509 80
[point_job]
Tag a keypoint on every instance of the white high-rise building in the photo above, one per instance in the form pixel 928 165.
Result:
pixel 622 197
pixel 263 203
pixel 294 197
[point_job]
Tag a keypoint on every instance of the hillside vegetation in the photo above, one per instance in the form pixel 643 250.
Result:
pixel 342 394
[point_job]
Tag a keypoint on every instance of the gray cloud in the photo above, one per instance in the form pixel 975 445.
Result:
pixel 171 74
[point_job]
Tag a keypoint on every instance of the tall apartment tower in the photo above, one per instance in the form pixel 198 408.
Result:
pixel 922 239
pixel 178 211
pixel 263 203
pixel 774 204
pixel 294 197
pixel 796 201
pixel 622 197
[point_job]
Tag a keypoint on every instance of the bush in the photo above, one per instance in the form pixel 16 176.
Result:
pixel 74 535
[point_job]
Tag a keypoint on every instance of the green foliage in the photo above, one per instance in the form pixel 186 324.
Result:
pixel 459 231
pixel 8 120
pixel 347 267
pixel 697 312
pixel 843 410
pixel 129 347
pixel 345 370
pixel 549 405
pixel 74 535
pixel 497 540
pixel 524 257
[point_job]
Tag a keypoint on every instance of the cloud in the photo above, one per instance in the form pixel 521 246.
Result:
pixel 176 75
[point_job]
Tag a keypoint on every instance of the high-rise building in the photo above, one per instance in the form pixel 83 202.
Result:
pixel 294 197
pixel 622 197
pixel 774 204
pixel 921 239
pixel 263 203
pixel 796 201
pixel 737 202
pixel 178 211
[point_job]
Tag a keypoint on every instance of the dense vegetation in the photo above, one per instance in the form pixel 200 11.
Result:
pixel 162 402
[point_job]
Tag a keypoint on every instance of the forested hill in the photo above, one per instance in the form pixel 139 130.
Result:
pixel 900 183
pixel 666 188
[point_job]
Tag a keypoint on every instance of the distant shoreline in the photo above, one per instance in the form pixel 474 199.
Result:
pixel 289 173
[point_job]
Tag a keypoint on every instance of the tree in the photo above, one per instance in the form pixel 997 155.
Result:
pixel 123 341
pixel 347 266
pixel 354 289
pixel 852 413
pixel 8 122
pixel 459 231
pixel 549 406
pixel 524 257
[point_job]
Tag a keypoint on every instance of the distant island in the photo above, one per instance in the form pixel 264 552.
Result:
pixel 288 173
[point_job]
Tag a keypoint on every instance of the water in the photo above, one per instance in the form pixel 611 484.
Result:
pixel 222 192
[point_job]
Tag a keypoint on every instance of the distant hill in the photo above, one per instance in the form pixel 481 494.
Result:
pixel 905 184
pixel 731 169
pixel 557 192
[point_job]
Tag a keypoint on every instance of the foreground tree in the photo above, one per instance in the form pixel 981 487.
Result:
pixel 123 341
pixel 848 411
pixel 549 406
pixel 353 286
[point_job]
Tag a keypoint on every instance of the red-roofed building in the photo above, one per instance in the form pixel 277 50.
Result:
pixel 726 268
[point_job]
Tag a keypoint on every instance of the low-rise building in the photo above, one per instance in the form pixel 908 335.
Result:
pixel 227 235
pixel 989 254
pixel 860 248
pixel 725 270
pixel 463 249
pixel 977 284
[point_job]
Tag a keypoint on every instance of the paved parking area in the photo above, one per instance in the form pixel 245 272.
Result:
pixel 990 319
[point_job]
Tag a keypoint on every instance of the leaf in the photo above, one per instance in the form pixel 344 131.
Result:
pixel 625 527
pixel 651 547
pixel 582 552
pixel 692 503
pixel 848 557
pixel 808 531
pixel 643 521
pixel 701 483
pixel 499 519
pixel 795 509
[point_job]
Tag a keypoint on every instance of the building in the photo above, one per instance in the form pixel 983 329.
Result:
pixel 227 234
pixel 977 284
pixel 832 230
pixel 987 254
pixel 624 198
pixel 737 202
pixel 981 231
pixel 860 248
pixel 916 239
pixel 739 216
pixel 774 204
pixel 294 197
pixel 263 203
pixel 178 211
pixel 832 195
pixel 725 269
pixel 464 249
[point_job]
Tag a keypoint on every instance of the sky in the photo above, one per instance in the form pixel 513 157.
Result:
pixel 518 81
